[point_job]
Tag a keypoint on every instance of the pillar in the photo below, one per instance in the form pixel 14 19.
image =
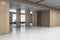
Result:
pixel 27 18
pixel 34 18
pixel 4 16
pixel 18 18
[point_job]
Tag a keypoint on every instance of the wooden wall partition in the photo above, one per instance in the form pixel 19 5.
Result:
pixel 49 18
pixel 43 18
pixel 4 17
pixel 54 17
pixel 34 18
pixel 39 18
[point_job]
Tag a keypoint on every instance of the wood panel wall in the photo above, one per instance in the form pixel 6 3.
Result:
pixel 43 18
pixel 54 17
pixel 34 18
pixel 49 18
pixel 4 17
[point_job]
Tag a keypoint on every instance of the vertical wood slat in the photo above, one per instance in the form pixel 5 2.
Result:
pixel 34 18
pixel 4 17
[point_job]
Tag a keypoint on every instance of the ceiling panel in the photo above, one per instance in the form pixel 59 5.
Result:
pixel 51 3
pixel 14 5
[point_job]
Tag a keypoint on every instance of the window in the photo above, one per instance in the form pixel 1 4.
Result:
pixel 12 10
pixel 22 18
pixel 14 18
pixel 22 11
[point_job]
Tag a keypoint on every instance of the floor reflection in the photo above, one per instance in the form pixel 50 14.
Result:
pixel 32 33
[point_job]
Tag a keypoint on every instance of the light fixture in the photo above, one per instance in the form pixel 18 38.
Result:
pixel 3 2
pixel 30 12
pixel 12 10
pixel 22 11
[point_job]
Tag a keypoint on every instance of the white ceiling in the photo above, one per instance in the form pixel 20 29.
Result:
pixel 51 3
pixel 15 5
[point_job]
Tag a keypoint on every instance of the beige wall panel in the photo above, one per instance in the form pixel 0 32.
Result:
pixel 4 17
pixel 39 18
pixel 59 18
pixel 44 18
pixel 49 18
pixel 54 17
pixel 34 18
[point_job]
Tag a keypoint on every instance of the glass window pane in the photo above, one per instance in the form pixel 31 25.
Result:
pixel 22 11
pixel 14 18
pixel 22 18
pixel 12 10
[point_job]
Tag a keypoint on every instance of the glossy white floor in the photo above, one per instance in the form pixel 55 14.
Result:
pixel 33 33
